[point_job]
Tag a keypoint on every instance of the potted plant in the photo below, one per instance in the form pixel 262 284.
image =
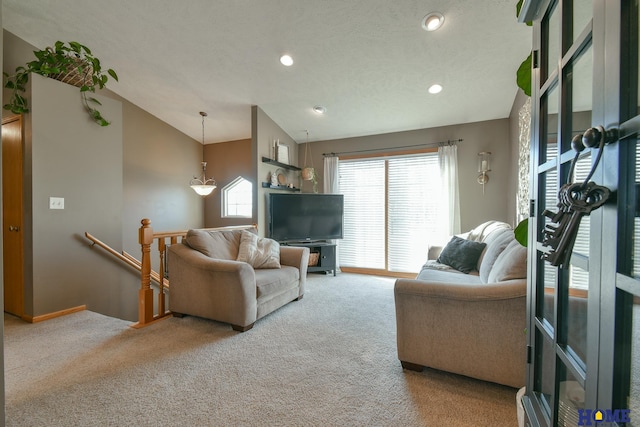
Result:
pixel 523 75
pixel 309 174
pixel 71 63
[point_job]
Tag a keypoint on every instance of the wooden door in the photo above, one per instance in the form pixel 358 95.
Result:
pixel 12 215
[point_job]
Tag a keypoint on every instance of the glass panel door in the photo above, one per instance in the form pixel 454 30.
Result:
pixel 624 298
pixel 562 285
pixel 584 326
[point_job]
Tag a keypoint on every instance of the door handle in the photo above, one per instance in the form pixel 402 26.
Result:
pixel 594 136
pixel 14 228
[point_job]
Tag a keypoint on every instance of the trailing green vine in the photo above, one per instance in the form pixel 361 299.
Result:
pixel 523 75
pixel 63 59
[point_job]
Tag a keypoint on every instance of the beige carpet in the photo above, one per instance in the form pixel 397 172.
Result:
pixel 327 360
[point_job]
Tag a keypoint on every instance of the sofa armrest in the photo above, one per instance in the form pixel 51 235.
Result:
pixel 223 290
pixel 472 330
pixel 433 252
pixel 296 256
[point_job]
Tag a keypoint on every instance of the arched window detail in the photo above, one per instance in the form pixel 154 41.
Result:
pixel 237 199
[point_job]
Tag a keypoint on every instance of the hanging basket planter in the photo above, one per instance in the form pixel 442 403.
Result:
pixel 77 74
pixel 308 173
pixel 71 63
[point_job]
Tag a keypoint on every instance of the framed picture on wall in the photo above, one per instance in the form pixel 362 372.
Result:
pixel 282 153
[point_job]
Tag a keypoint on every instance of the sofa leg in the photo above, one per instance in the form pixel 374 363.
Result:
pixel 411 366
pixel 238 328
pixel 299 298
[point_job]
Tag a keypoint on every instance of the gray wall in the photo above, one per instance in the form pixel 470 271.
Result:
pixel 151 170
pixel 263 132
pixel 158 163
pixel 71 157
pixel 475 207
pixel 225 162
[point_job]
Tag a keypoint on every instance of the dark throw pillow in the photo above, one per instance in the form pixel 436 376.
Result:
pixel 461 254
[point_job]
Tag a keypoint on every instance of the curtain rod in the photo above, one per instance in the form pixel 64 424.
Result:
pixel 429 144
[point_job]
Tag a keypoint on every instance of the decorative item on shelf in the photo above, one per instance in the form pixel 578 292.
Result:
pixel 203 186
pixel 309 172
pixel 281 175
pixel 274 178
pixel 282 153
pixel 484 166
pixel 71 63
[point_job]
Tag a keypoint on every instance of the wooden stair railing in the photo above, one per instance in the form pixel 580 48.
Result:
pixel 146 236
pixel 124 257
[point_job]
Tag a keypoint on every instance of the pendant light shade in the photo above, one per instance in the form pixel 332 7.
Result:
pixel 203 186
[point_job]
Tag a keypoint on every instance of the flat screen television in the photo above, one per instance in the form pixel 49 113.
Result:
pixel 304 217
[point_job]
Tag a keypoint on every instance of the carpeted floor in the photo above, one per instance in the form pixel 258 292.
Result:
pixel 327 360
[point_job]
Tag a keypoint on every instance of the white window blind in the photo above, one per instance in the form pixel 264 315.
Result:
pixel 580 277
pixel 636 221
pixel 363 185
pixel 414 206
pixel 391 209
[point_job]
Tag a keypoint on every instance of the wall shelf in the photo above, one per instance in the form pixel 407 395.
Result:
pixel 281 165
pixel 279 187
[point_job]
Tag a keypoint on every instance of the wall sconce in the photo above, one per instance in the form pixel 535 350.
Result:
pixel 484 166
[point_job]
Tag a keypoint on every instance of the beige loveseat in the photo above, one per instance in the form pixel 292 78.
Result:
pixel 470 324
pixel 233 276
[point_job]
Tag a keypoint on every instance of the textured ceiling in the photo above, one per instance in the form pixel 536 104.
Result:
pixel 368 62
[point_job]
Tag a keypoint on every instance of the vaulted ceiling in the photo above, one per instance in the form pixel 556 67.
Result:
pixel 368 62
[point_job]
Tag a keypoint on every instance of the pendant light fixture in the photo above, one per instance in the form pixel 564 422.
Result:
pixel 203 186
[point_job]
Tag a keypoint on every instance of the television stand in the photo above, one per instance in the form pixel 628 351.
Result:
pixel 326 256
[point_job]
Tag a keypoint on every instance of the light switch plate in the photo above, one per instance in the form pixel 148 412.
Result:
pixel 56 202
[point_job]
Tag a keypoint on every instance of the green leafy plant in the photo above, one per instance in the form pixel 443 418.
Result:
pixel 309 174
pixel 521 232
pixel 71 63
pixel 523 75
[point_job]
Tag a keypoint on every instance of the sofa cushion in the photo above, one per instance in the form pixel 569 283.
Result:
pixel 259 252
pixel 461 254
pixel 496 244
pixel 219 244
pixel 270 282
pixel 510 264
pixel 436 275
pixel 484 230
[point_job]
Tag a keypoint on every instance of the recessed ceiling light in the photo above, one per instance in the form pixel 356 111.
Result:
pixel 435 89
pixel 286 60
pixel 319 109
pixel 432 21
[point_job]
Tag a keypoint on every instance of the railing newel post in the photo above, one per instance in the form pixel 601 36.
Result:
pixel 145 294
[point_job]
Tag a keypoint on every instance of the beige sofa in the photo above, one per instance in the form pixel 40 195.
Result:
pixel 208 280
pixel 469 324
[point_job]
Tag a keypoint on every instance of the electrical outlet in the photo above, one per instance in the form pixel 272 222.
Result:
pixel 56 202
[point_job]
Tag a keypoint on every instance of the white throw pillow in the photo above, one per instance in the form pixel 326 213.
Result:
pixel 259 252
pixel 510 264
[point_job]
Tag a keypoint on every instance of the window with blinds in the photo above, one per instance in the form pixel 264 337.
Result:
pixel 391 214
